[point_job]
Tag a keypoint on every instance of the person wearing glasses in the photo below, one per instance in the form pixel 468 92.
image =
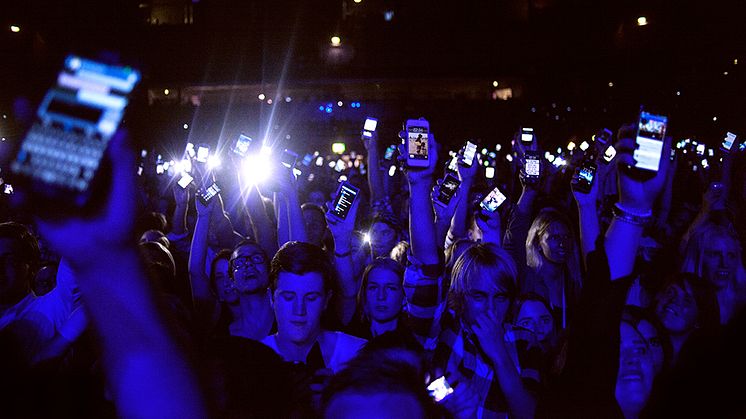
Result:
pixel 249 270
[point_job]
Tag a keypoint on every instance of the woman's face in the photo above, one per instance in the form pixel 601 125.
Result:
pixel 636 372
pixel 384 295
pixel 720 262
pixel 556 243
pixel 383 238
pixel 535 317
pixel 223 283
pixel 677 310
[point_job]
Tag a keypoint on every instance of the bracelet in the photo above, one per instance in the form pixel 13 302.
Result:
pixel 343 255
pixel 648 213
pixel 623 215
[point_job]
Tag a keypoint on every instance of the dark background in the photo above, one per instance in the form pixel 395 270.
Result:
pixel 558 57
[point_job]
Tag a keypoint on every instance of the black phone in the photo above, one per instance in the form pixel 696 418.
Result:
pixel 584 176
pixel 205 195
pixel 532 166
pixel 346 195
pixel 77 118
pixel 447 189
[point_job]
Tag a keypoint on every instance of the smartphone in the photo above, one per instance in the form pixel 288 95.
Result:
pixel 242 145
pixel 584 177
pixel 288 158
pixel 186 180
pixel 470 152
pixel 603 136
pixel 453 164
pixel 651 130
pixel 701 149
pixel 369 127
pixel 439 389
pixel 418 133
pixel 190 150
pixel 389 153
pixel 489 172
pixel 447 189
pixel 346 195
pixel 527 134
pixel 609 154
pixel 728 141
pixel 206 195
pixel 8 189
pixel 493 200
pixel 77 118
pixel 532 166
pixel 307 159
pixel 203 151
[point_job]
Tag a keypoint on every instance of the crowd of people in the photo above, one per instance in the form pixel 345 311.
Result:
pixel 623 300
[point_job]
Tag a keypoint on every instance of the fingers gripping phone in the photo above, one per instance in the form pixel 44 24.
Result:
pixel 447 190
pixel 77 118
pixel 532 166
pixel 584 177
pixel 417 143
pixel 346 195
pixel 651 131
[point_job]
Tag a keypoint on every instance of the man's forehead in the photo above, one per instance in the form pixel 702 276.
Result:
pixel 300 283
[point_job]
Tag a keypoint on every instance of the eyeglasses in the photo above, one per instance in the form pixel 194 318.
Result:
pixel 244 261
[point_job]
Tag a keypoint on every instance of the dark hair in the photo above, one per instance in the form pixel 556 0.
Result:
pixel 379 263
pixel 150 221
pixel 705 296
pixel 382 371
pixel 242 243
pixel 633 315
pixel 301 258
pixel 27 243
pixel 515 308
pixel 222 254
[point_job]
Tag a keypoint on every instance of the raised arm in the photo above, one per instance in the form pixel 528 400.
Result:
pixel 290 223
pixel 375 173
pixel 466 175
pixel 587 216
pixel 421 216
pixel 178 221
pixel 264 228
pixel 637 193
pixel 203 299
pixel 146 368
pixel 444 214
pixel 342 231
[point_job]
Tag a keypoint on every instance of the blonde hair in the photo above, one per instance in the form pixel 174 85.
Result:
pixel 534 256
pixel 481 259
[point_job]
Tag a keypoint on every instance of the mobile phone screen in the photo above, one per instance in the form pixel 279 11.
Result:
pixel 448 188
pixel 533 165
pixel 202 154
pixel 75 121
pixel 586 173
pixel 610 153
pixel 470 151
pixel 242 145
pixel 343 201
pixel 527 135
pixel 370 124
pixel 439 389
pixel 209 193
pixel 489 172
pixel 389 154
pixel 728 141
pixel 417 142
pixel 288 158
pixel 185 180
pixel 493 200
pixel 650 133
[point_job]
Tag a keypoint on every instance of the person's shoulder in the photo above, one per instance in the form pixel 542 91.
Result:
pixel 270 341
pixel 348 341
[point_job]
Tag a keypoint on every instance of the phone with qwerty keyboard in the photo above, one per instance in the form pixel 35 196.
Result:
pixel 63 150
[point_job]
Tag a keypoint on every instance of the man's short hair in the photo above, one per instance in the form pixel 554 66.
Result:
pixel 301 258
pixel 27 243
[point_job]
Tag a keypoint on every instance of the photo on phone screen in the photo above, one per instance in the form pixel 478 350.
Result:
pixel 527 135
pixel 205 195
pixel 439 389
pixel 609 154
pixel 447 189
pixel 470 152
pixel 728 141
pixel 242 145
pixel 186 180
pixel 533 165
pixel 74 124
pixel 342 203
pixel 493 200
pixel 585 175
pixel 650 133
pixel 418 132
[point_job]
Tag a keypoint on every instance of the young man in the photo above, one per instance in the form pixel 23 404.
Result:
pixel 301 282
